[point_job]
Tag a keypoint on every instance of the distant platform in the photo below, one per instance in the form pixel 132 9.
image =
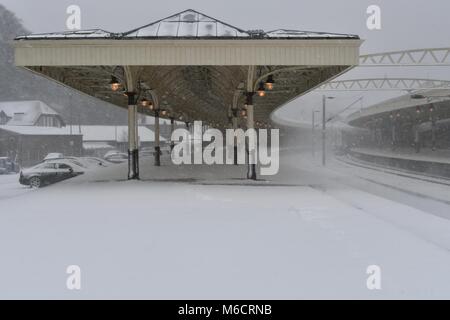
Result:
pixel 435 163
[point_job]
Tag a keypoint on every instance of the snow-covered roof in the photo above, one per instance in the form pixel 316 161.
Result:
pixel 111 133
pixel 402 102
pixel 188 24
pixel 97 145
pixel 78 34
pixel 297 34
pixel 25 113
pixel 90 133
pixel 35 130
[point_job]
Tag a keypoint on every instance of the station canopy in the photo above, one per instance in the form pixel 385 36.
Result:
pixel 197 67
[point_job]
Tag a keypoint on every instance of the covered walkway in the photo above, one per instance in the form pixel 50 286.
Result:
pixel 190 66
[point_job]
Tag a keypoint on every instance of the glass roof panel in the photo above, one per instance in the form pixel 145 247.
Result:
pixel 207 29
pixel 190 24
pixel 167 29
pixel 188 16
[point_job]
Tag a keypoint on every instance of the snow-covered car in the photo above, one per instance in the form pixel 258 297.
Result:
pixel 53 156
pixel 110 153
pixel 117 158
pixel 78 161
pixel 95 161
pixel 87 162
pixel 49 172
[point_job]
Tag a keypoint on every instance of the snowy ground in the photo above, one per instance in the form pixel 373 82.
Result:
pixel 204 233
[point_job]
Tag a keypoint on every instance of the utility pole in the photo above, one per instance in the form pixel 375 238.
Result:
pixel 324 122
pixel 313 134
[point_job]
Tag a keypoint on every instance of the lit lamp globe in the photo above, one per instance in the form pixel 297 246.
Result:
pixel 114 83
pixel 261 91
pixel 269 83
pixel 145 103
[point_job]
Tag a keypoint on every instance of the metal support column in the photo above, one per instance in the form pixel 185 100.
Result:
pixel 416 131
pixel 188 139
pixel 234 121
pixel 133 152
pixel 251 174
pixel 324 137
pixel 433 128
pixel 393 133
pixel 157 142
pixel 172 129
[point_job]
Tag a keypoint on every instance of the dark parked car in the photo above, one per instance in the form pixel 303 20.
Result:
pixel 49 172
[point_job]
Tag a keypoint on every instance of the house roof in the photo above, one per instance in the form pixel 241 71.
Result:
pixel 89 133
pixel 188 24
pixel 97 145
pixel 35 130
pixel 29 111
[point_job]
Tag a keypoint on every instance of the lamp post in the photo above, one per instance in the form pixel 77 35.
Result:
pixel 324 123
pixel 313 135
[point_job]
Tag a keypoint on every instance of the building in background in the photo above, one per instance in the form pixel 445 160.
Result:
pixel 29 130
pixel 29 113
pixel 165 127
pixel 28 145
pixel 97 140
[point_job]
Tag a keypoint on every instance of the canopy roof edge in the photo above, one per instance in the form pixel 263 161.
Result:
pixel 90 52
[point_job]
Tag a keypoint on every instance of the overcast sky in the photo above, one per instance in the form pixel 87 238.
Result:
pixel 406 24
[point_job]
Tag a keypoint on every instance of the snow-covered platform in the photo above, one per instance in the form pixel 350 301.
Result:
pixel 203 232
pixel 433 163
pixel 426 155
